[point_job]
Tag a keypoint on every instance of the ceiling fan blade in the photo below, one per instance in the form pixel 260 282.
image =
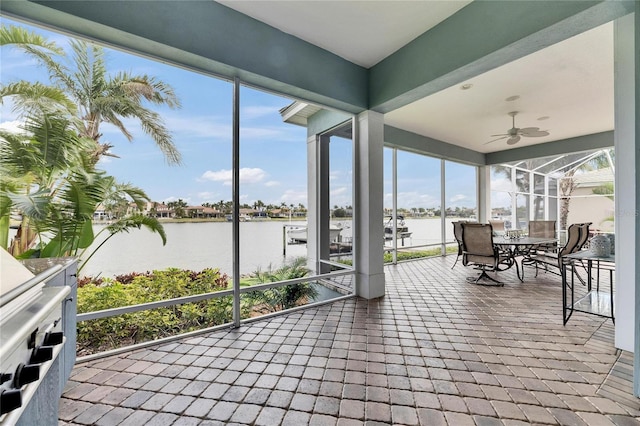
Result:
pixel 528 129
pixel 501 134
pixel 495 140
pixel 513 140
pixel 536 134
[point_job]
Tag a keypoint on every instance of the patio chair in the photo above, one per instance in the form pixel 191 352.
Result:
pixel 575 236
pixel 479 251
pixel 584 235
pixel 498 226
pixel 457 234
pixel 543 229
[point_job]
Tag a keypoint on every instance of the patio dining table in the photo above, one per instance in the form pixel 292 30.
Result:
pixel 520 247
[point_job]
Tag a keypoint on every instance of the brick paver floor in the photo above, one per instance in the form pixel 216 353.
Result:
pixel 435 350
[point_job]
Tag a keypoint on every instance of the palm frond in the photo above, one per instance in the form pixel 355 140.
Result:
pixel 34 205
pixel 152 125
pixel 147 87
pixel 13 35
pixel 30 97
pixel 126 225
pixel 17 156
pixel 137 222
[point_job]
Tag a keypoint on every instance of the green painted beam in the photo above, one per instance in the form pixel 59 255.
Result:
pixel 565 146
pixel 402 139
pixel 413 142
pixel 324 120
pixel 212 38
pixel 480 37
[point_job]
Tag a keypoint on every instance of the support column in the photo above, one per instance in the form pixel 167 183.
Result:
pixel 369 180
pixel 627 182
pixel 636 109
pixel 484 194
pixel 318 213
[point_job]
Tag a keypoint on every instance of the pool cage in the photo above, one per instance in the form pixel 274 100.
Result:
pixel 567 188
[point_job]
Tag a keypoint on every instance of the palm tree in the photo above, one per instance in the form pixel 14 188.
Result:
pixel 285 297
pixel 568 184
pixel 99 97
pixel 178 207
pixel 47 171
pixel 48 177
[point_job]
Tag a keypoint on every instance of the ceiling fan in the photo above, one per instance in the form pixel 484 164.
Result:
pixel 514 133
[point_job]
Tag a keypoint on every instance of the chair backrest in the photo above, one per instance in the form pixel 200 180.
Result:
pixel 498 225
pixel 457 234
pixel 574 235
pixel 542 228
pixel 584 235
pixel 477 239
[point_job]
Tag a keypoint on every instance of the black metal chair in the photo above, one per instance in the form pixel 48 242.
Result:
pixel 479 251
pixel 577 234
pixel 543 229
pixel 457 234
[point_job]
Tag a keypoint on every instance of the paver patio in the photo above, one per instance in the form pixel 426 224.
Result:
pixel 435 350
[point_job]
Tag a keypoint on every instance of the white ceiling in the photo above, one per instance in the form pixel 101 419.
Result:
pixel 571 82
pixel 361 31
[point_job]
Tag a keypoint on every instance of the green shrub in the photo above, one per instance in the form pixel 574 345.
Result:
pixel 285 297
pixel 137 288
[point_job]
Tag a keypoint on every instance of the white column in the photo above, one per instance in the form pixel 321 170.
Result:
pixel 633 51
pixel 484 193
pixel 318 199
pixel 369 139
pixel 627 185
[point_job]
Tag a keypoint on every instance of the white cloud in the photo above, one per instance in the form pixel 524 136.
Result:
pixel 341 196
pixel 338 191
pixel 265 133
pixel 204 126
pixel 12 126
pixel 247 175
pixel 210 197
pixel 500 199
pixel 181 127
pixel 413 199
pixel 457 197
pixel 500 184
pixel 257 111
pixel 294 197
pixel 172 198
pixel 272 183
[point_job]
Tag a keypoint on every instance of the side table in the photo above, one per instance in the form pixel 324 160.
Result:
pixel 595 301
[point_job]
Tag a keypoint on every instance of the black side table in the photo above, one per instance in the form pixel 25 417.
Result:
pixel 596 301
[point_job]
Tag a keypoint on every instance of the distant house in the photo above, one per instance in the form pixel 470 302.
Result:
pixel 202 212
pixel 100 213
pixel 261 215
pixel 162 211
pixel 133 208
pixel 194 211
pixel 279 213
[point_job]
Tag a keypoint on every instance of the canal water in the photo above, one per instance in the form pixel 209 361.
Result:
pixel 201 245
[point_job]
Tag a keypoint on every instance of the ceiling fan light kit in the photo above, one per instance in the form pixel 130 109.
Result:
pixel 514 134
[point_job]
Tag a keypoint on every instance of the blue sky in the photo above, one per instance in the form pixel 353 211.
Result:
pixel 273 153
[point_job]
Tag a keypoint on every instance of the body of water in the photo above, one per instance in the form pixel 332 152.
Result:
pixel 200 245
